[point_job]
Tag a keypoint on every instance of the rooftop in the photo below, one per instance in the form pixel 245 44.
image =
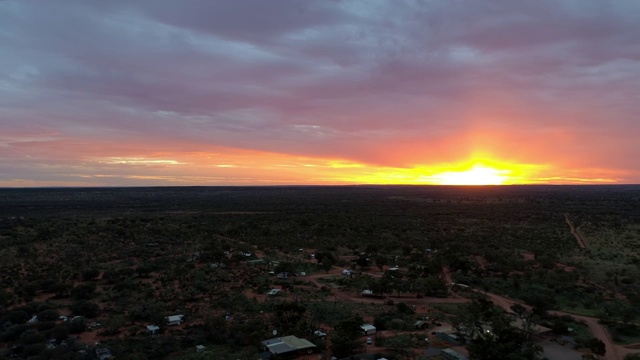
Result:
pixel 286 344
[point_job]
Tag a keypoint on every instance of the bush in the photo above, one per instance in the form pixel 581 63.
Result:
pixel 85 308
pixel 403 308
pixel 45 325
pixel 17 317
pixel 399 324
pixel 60 332
pixel 35 349
pixel 48 315
pixel 90 274
pixel 12 333
pixel 83 292
pixel 32 336
pixel 77 326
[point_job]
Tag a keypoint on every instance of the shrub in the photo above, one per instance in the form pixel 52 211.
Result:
pixel 85 308
pixel 17 317
pixel 32 336
pixel 90 274
pixel 77 326
pixel 48 315
pixel 403 308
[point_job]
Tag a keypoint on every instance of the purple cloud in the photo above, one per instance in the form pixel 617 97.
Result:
pixel 393 83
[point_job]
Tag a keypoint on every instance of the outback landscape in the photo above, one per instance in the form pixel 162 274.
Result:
pixel 367 272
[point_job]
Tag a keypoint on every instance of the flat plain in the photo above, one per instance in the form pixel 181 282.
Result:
pixel 85 269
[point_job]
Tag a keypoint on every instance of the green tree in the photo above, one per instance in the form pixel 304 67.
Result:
pixel 597 346
pixel 344 336
pixel 290 317
pixel 381 261
pixel 85 308
pixel 284 266
pixel 491 335
pixel 363 261
pixel 48 315
pixel 83 291
pixel 326 264
pixel 399 343
pixel 77 326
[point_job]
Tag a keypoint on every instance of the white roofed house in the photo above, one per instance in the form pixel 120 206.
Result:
pixel 368 329
pixel 174 319
pixel 287 346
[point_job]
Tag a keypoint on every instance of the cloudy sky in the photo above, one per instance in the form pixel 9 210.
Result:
pixel 155 92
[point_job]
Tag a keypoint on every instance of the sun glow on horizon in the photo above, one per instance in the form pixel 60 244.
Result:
pixel 477 175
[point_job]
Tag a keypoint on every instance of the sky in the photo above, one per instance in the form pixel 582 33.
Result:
pixel 266 92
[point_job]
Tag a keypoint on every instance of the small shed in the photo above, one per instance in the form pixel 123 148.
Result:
pixel 174 319
pixel 368 329
pixel 421 324
pixel 274 292
pixel 153 329
pixel 200 348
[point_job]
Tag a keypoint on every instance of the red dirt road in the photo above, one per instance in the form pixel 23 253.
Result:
pixel 574 232
pixel 613 351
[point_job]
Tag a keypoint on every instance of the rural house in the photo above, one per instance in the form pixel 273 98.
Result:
pixel 368 329
pixel 286 346
pixel 174 320
pixel 421 324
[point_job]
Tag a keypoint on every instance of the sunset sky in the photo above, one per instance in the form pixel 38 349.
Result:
pixel 258 92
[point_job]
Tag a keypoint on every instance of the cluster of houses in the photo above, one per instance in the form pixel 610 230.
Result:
pixel 460 338
pixel 172 320
pixel 292 346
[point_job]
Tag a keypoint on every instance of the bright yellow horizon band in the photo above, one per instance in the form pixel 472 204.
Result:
pixel 255 168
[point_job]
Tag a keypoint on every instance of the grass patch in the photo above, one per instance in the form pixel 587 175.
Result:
pixel 623 333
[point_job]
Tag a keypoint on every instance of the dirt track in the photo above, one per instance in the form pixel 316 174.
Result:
pixel 574 232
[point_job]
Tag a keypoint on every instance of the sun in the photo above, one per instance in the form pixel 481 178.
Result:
pixel 477 175
pixel 478 170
